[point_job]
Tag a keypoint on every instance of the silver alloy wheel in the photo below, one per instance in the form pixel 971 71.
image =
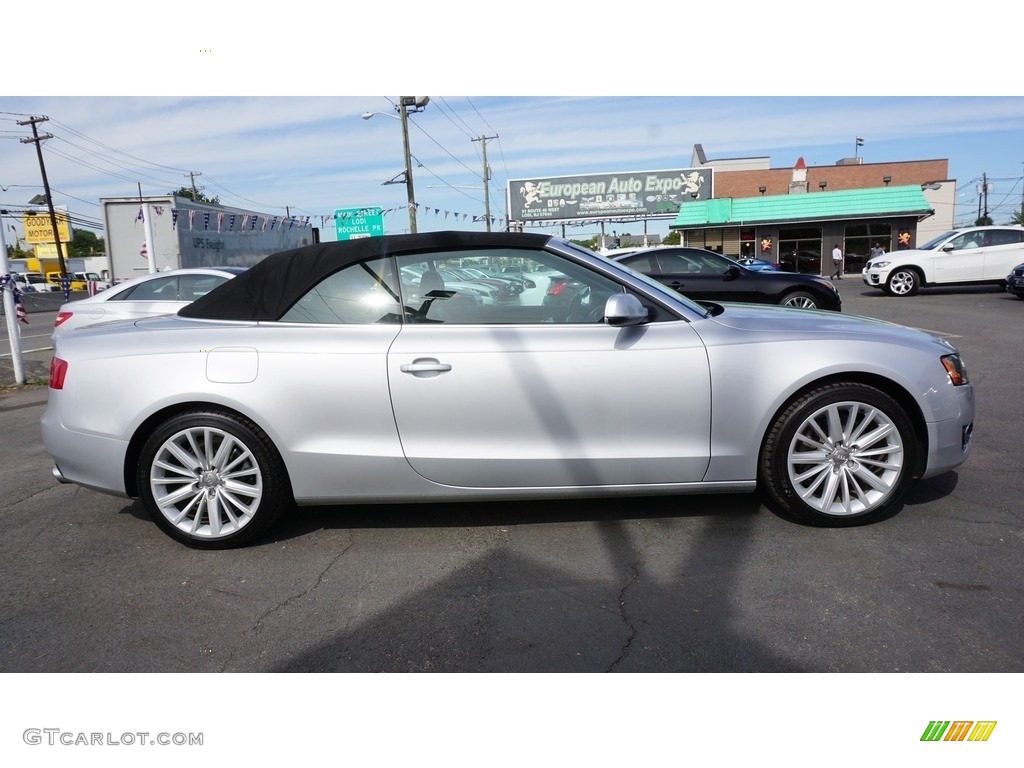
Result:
pixel 903 283
pixel 206 482
pixel 800 300
pixel 845 458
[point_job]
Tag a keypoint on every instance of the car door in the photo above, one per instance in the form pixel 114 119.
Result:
pixel 1004 250
pixel 962 259
pixel 547 396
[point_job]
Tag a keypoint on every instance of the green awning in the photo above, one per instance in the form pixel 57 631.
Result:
pixel 807 206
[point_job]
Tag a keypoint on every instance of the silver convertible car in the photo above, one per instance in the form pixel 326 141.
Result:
pixel 349 372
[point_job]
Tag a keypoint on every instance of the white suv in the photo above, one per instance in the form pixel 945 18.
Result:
pixel 975 255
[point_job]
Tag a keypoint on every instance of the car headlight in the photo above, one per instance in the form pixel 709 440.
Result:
pixel 828 285
pixel 956 368
pixel 879 264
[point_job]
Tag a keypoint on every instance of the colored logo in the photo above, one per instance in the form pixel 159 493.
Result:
pixel 958 730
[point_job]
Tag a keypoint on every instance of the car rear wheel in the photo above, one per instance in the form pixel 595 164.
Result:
pixel 212 480
pixel 840 455
pixel 903 282
pixel 799 299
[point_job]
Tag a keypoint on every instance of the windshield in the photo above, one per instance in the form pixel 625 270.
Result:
pixel 932 244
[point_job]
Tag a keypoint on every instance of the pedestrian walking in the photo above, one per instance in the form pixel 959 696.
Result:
pixel 837 263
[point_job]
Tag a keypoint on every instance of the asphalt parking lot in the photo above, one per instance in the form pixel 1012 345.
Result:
pixel 685 584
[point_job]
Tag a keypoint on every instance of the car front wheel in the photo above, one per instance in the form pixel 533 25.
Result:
pixel 799 299
pixel 840 455
pixel 903 282
pixel 212 480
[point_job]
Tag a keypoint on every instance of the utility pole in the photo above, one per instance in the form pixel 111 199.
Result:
pixel 38 140
pixel 404 103
pixel 192 177
pixel 984 192
pixel 487 177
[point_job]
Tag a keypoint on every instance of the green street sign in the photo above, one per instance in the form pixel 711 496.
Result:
pixel 353 223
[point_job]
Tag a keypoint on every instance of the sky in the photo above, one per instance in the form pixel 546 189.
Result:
pixel 266 109
pixel 311 155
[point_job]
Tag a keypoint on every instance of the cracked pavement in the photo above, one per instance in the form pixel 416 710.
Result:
pixel 673 584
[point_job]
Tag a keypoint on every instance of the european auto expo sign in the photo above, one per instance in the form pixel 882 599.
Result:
pixel 636 194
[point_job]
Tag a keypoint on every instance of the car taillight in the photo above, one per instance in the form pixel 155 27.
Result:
pixel 557 288
pixel 58 370
pixel 61 317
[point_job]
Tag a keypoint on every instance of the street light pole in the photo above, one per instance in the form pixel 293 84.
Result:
pixel 7 294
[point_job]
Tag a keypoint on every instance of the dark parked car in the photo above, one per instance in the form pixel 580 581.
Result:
pixel 1015 281
pixel 707 276
pixel 758 265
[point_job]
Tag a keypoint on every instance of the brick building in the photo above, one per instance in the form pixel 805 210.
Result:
pixel 793 215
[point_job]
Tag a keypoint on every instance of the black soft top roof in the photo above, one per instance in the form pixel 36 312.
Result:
pixel 267 290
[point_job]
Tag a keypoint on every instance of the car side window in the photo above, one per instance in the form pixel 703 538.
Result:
pixel 644 264
pixel 1005 236
pixel 194 286
pixel 476 287
pixel 157 289
pixel 363 293
pixel 968 240
pixel 675 263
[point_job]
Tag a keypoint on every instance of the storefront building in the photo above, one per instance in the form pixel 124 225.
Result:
pixel 793 216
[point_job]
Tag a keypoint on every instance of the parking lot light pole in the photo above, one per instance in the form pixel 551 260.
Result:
pixel 406 104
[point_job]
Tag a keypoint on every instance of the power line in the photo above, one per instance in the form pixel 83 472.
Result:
pixel 118 151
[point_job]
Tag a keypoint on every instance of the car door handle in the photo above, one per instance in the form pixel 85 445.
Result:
pixel 425 367
pixel 676 284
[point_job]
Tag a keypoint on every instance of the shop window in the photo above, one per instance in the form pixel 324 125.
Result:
pixel 861 238
pixel 800 249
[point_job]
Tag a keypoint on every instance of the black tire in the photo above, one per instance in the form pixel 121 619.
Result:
pixel 816 465
pixel 903 281
pixel 799 299
pixel 230 482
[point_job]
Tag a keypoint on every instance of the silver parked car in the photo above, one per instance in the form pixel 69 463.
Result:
pixel 159 293
pixel 350 372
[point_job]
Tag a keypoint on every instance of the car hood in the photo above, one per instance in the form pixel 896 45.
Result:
pixel 814 324
pixel 913 253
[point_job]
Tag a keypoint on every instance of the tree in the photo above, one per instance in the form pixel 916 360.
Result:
pixel 15 252
pixel 673 238
pixel 594 243
pixel 1018 216
pixel 85 243
pixel 199 196
pixel 983 221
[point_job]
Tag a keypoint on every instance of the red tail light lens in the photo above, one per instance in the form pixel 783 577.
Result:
pixel 61 317
pixel 58 371
pixel 557 288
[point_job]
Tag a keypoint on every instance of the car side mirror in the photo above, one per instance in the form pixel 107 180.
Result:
pixel 732 272
pixel 948 248
pixel 624 309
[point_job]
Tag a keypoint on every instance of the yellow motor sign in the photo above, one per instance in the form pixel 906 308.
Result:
pixel 38 229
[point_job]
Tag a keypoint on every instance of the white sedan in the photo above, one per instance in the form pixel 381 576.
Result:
pixel 160 293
